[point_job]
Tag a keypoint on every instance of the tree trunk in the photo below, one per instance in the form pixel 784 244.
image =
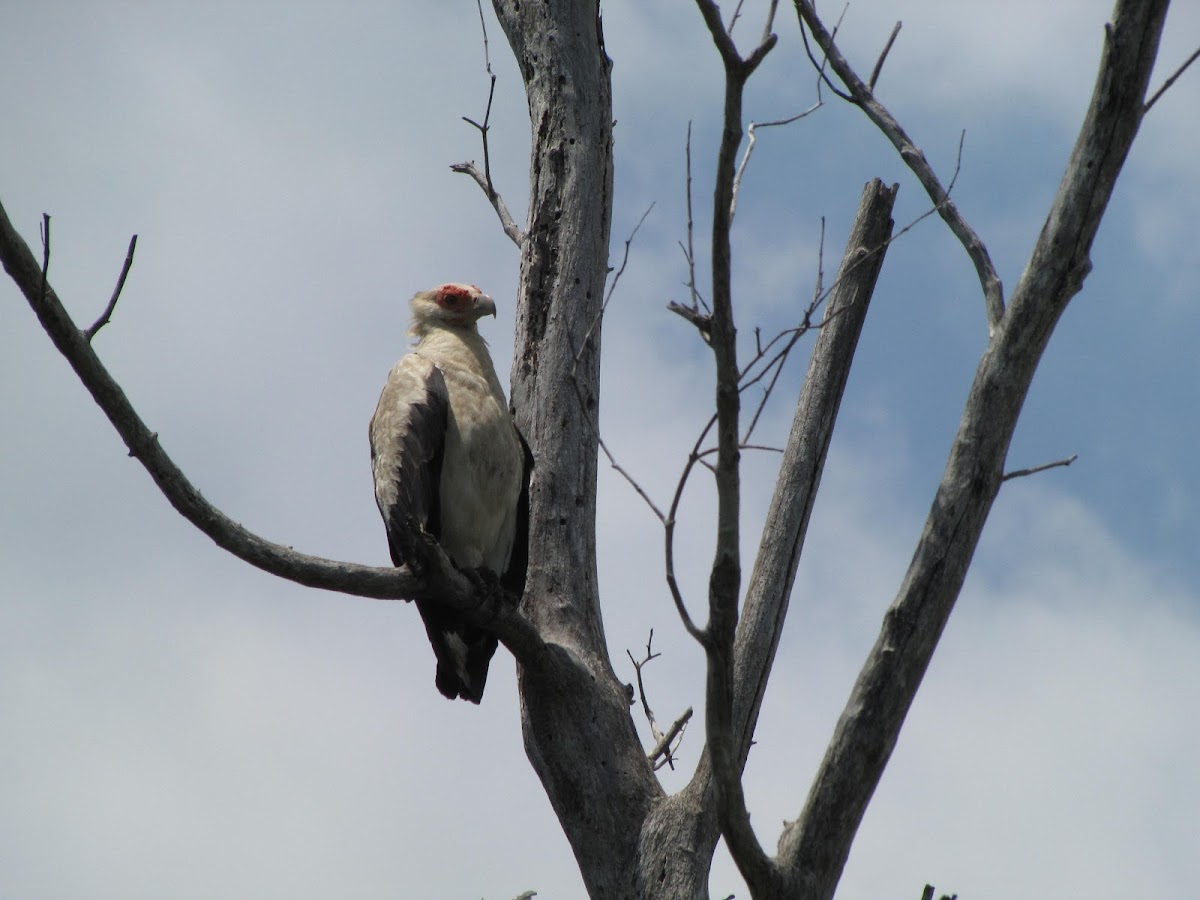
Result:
pixel 575 716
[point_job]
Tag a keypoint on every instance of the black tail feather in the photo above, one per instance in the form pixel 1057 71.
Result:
pixel 463 653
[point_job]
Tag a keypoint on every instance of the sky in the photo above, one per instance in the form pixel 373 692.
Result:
pixel 174 723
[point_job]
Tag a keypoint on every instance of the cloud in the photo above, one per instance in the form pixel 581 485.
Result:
pixel 1045 751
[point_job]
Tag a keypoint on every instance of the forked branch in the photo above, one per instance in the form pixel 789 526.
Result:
pixel 724 585
pixel 442 583
pixel 664 742
pixel 813 848
pixel 861 94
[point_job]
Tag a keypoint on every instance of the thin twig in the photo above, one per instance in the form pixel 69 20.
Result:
pixel 770 23
pixel 45 229
pixel 711 451
pixel 507 223
pixel 1170 81
pixel 487 115
pixel 700 635
pixel 817 289
pixel 483 131
pixel 116 294
pixel 702 321
pixel 637 667
pixel 737 12
pixel 1021 473
pixel 664 743
pixel 589 414
pixel 751 137
pixel 689 251
pixel 484 178
pixel 822 76
pixel 612 285
pixel 775 364
pixel 887 48
pixel 778 363
pixel 487 59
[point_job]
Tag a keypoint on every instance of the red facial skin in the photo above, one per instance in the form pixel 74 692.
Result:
pixel 458 301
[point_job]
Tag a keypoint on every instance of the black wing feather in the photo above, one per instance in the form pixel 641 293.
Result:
pixel 513 578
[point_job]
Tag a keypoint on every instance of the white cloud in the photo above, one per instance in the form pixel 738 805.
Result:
pixel 1047 749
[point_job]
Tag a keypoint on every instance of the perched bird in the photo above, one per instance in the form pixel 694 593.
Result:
pixel 447 457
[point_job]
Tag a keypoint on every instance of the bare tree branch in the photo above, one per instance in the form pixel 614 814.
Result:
pixel 725 579
pixel 700 635
pixel 664 746
pixel 887 48
pixel 442 583
pixel 1021 473
pixel 725 46
pixel 590 413
pixel 662 742
pixel 484 179
pixel 769 25
pixel 689 251
pixel 116 294
pixel 702 321
pixel 592 766
pixel 861 95
pixel 507 223
pixel 751 137
pixel 773 367
pixel 770 585
pixel 819 65
pixel 813 849
pixel 769 588
pixel 45 231
pixel 1171 80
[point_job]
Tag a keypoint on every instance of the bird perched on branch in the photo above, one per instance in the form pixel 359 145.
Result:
pixel 448 460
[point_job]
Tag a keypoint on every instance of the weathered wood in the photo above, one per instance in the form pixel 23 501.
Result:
pixel 814 847
pixel 578 731
pixel 688 819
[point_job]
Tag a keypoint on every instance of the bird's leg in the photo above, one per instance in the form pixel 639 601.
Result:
pixel 487 587
pixel 484 579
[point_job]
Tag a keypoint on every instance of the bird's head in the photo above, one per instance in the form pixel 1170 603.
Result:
pixel 449 305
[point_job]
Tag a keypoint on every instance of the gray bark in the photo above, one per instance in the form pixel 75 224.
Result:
pixel 683 831
pixel 578 732
pixel 813 849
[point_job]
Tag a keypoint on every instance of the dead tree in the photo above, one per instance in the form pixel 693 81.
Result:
pixel 629 837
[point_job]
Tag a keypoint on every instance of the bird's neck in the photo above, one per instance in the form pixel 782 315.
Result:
pixel 461 346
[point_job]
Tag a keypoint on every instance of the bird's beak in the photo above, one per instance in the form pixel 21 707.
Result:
pixel 484 305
